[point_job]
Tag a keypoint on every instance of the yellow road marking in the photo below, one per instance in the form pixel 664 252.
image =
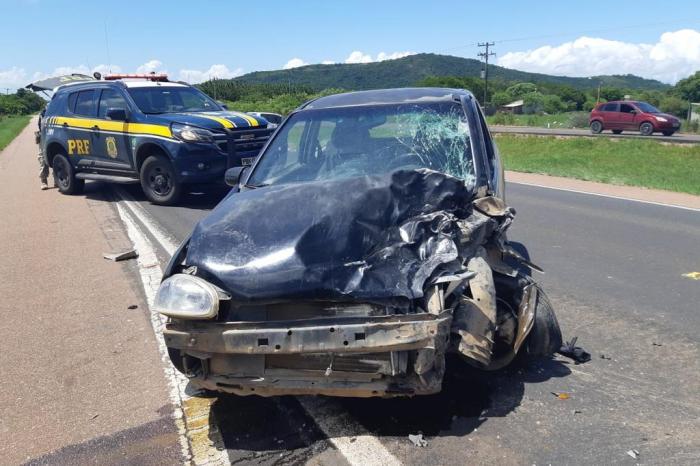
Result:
pixel 692 275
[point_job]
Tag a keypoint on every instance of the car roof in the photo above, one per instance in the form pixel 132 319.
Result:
pixel 119 82
pixel 387 96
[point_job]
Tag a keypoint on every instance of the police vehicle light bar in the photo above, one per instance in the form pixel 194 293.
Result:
pixel 150 76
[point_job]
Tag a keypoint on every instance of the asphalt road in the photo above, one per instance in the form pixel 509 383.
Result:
pixel 614 273
pixel 679 138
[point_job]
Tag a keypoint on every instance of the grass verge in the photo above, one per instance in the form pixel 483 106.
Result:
pixel 633 162
pixel 10 127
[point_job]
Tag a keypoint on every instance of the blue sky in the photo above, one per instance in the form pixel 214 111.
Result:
pixel 195 39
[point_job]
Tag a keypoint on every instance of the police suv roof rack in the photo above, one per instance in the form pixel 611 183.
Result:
pixel 149 76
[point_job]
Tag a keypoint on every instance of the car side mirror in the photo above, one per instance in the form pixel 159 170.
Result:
pixel 634 112
pixel 117 114
pixel 233 176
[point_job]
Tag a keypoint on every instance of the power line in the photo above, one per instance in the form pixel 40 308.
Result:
pixel 485 55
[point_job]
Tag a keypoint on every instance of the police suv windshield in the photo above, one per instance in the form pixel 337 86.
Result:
pixel 336 143
pixel 164 99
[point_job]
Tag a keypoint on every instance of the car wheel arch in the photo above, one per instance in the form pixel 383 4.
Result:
pixel 52 149
pixel 145 150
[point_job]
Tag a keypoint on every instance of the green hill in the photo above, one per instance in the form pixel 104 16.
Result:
pixel 409 70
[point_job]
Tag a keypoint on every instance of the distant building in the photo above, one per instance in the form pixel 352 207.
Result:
pixel 515 107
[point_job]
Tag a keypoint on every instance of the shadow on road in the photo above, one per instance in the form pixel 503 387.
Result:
pixel 198 198
pixel 468 398
pixel 271 427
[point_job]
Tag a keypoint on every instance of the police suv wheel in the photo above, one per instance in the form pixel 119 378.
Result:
pixel 64 176
pixel 159 182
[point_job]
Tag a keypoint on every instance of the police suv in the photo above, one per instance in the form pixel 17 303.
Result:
pixel 144 128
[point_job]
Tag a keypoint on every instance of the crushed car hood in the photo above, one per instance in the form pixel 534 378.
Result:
pixel 377 238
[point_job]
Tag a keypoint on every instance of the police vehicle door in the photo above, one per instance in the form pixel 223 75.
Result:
pixel 111 137
pixel 79 143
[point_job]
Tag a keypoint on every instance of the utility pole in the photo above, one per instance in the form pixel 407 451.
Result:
pixel 485 55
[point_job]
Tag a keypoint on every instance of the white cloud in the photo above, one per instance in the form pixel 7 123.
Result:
pixel 393 56
pixel 151 66
pixel 674 56
pixel 360 57
pixel 13 78
pixel 328 62
pixel 218 71
pixel 294 63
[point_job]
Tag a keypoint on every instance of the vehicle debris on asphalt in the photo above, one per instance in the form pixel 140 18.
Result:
pixel 633 453
pixel 578 354
pixel 418 440
pixel 121 256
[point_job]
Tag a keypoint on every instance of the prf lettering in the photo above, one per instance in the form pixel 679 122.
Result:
pixel 79 146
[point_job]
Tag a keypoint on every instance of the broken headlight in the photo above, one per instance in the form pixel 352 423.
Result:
pixel 187 297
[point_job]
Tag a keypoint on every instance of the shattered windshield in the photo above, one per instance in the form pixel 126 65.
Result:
pixel 339 143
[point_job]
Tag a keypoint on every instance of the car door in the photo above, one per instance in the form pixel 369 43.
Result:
pixel 612 116
pixel 627 116
pixel 80 143
pixel 111 138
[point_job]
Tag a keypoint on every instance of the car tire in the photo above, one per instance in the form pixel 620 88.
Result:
pixel 668 133
pixel 617 131
pixel 646 129
pixel 64 176
pixel 596 127
pixel 159 182
pixel 545 337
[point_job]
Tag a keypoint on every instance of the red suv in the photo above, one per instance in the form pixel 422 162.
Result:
pixel 633 116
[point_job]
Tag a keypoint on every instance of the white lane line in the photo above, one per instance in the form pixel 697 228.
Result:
pixel 661 204
pixel 200 443
pixel 165 239
pixel 343 432
pixel 358 449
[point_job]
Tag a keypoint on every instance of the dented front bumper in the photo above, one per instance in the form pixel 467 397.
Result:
pixel 341 356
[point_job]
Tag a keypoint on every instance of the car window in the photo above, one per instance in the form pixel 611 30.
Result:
pixel 110 98
pixel 626 108
pixel 167 99
pixel 71 101
pixel 85 103
pixel 612 107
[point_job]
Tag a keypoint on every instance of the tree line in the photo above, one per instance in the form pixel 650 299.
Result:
pixel 23 102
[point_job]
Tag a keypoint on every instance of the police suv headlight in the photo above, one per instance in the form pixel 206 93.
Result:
pixel 661 119
pixel 191 133
pixel 187 297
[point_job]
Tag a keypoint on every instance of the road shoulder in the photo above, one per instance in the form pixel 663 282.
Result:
pixel 82 381
pixel 655 196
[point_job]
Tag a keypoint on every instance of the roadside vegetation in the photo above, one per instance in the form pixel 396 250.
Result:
pixel 10 127
pixel 633 162
pixel 548 103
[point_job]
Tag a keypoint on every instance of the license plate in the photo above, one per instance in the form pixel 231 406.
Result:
pixel 247 161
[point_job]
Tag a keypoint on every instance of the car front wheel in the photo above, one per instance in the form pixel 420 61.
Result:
pixel 64 176
pixel 646 129
pixel 159 182
pixel 596 127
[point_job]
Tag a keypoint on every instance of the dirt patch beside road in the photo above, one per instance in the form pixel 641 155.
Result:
pixel 81 378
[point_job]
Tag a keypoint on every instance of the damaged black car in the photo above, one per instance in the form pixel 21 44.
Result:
pixel 366 243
